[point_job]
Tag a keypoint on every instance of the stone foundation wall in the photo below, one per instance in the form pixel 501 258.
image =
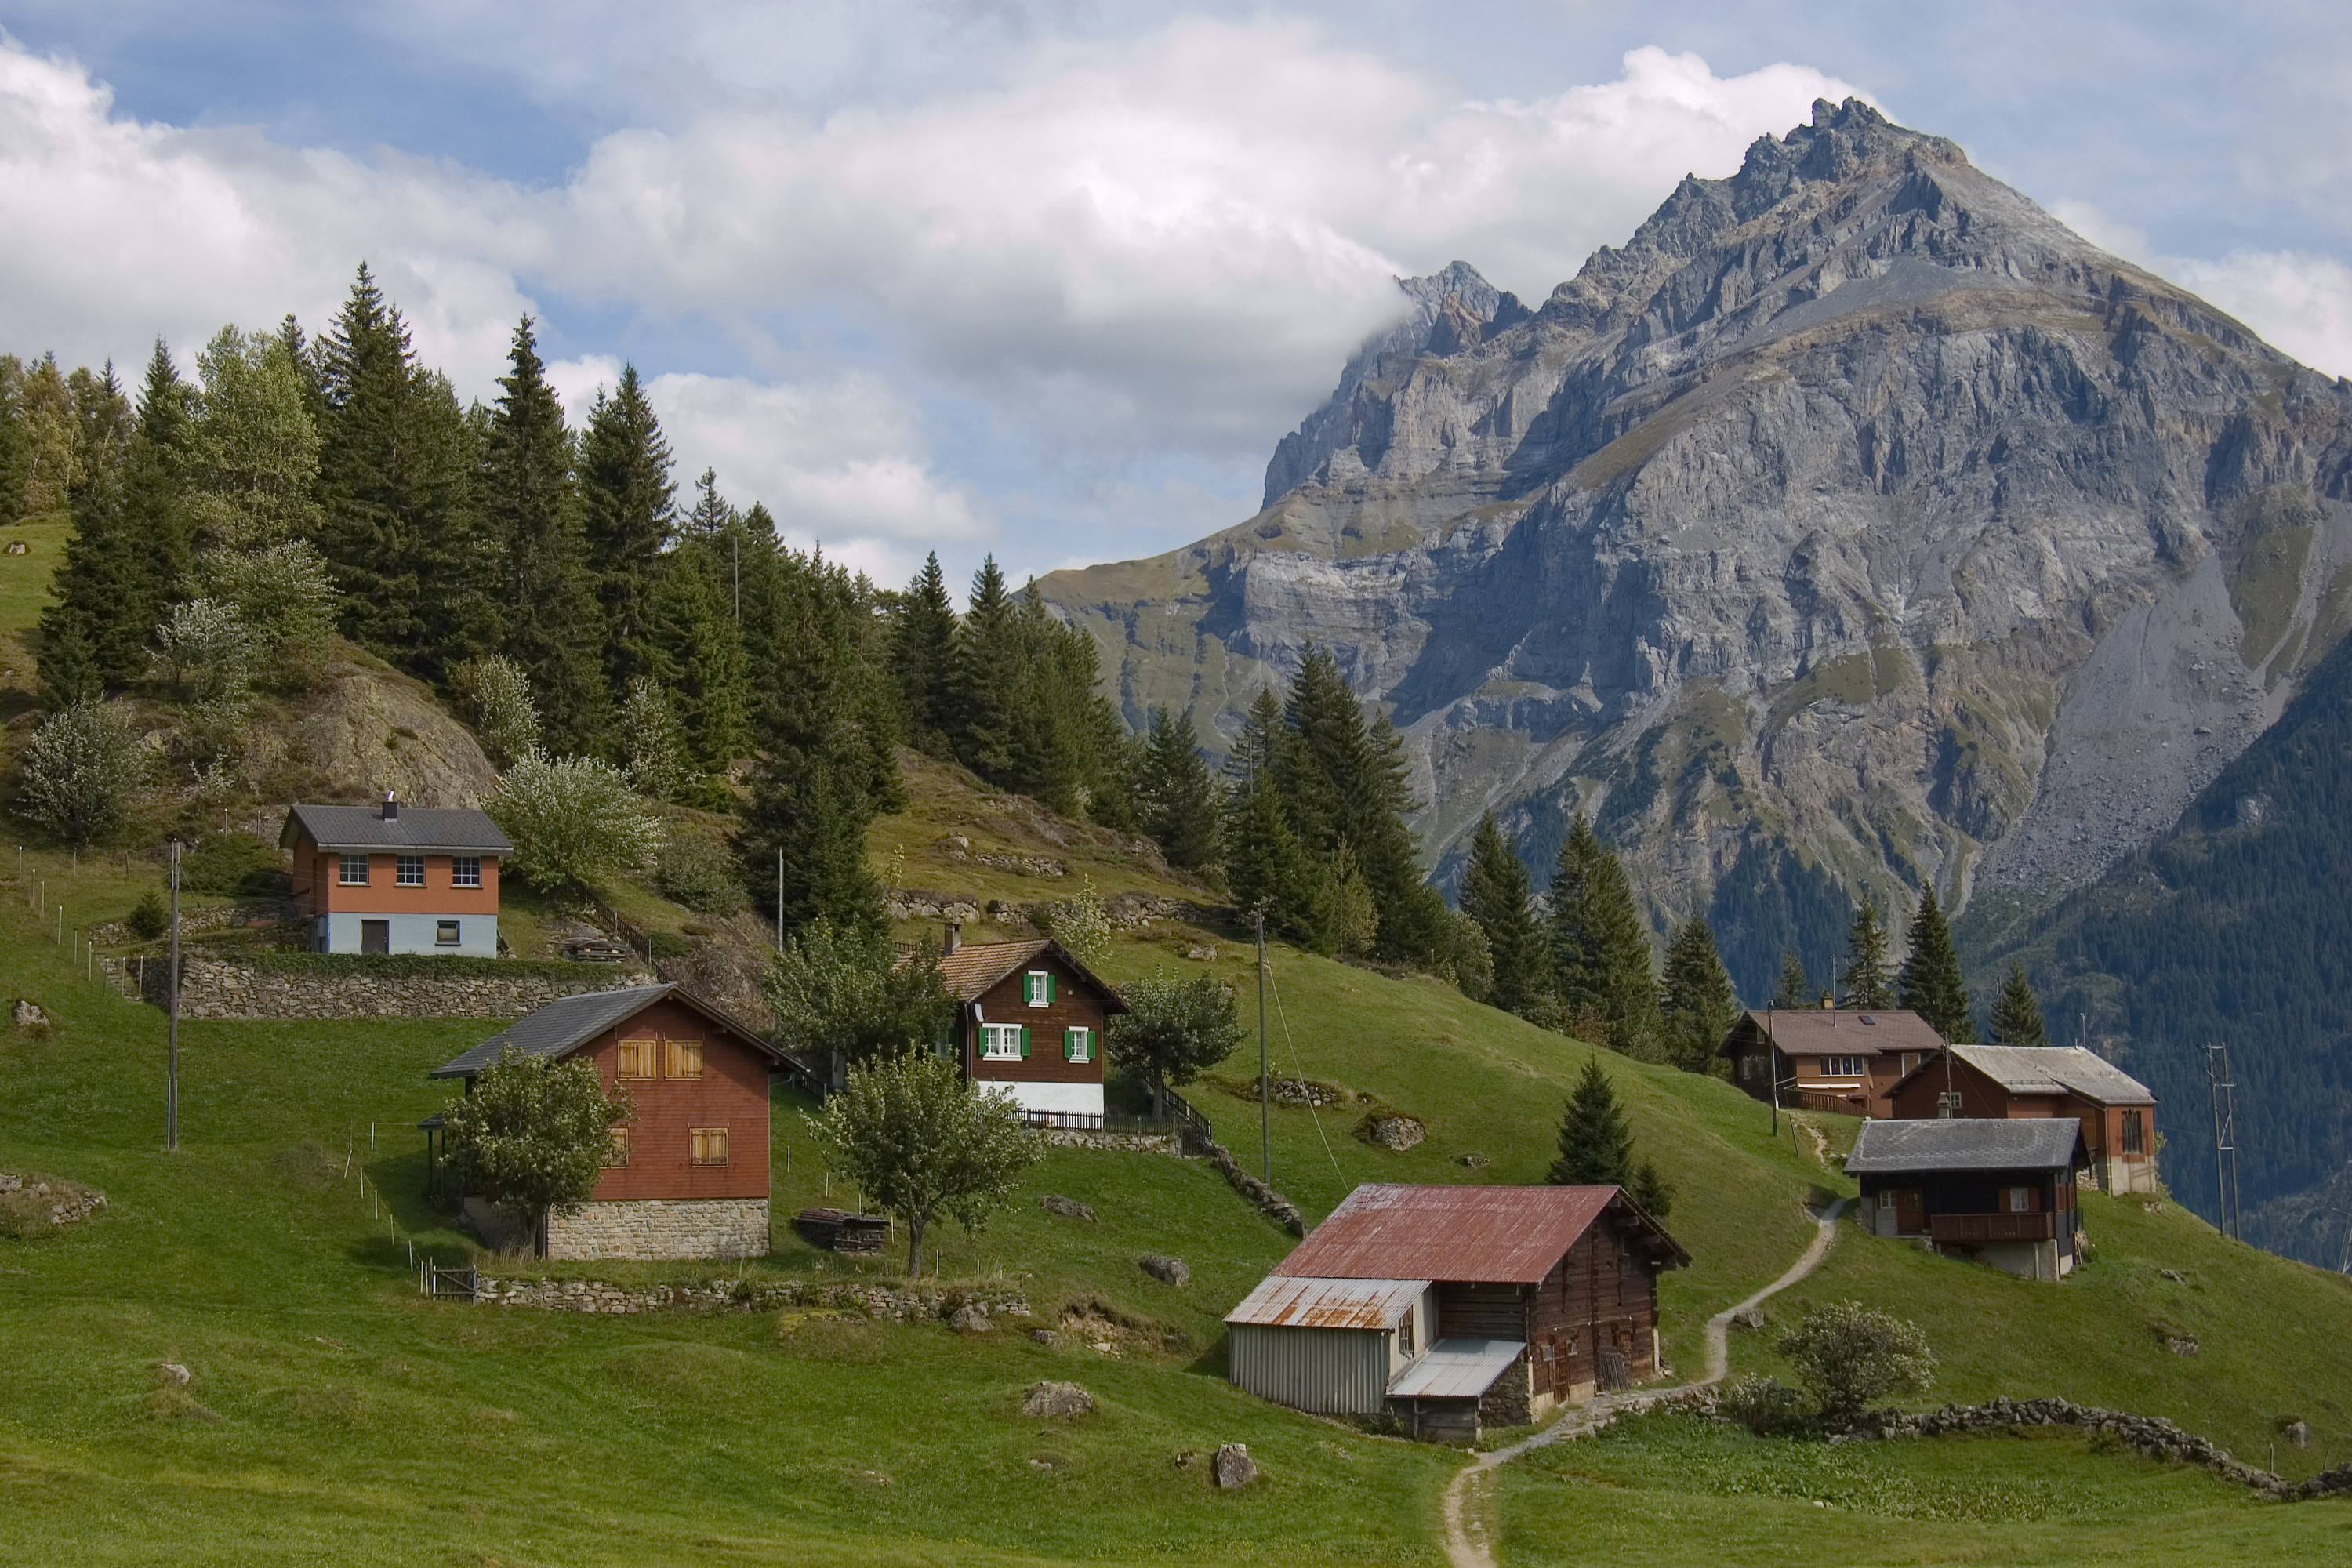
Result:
pixel 1509 1400
pixel 1121 1143
pixel 874 1303
pixel 661 1228
pixel 218 988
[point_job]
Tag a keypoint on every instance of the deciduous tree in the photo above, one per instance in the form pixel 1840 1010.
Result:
pixel 574 820
pixel 531 1134
pixel 80 770
pixel 1847 1354
pixel 1175 1030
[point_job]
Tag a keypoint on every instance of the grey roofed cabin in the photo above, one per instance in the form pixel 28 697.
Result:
pixel 2000 1192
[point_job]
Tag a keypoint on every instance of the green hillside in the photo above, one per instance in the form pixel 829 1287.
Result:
pixel 333 1413
pixel 2231 929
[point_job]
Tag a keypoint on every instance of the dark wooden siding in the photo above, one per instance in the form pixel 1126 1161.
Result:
pixel 1075 1004
pixel 1482 1311
pixel 732 1092
pixel 1601 1295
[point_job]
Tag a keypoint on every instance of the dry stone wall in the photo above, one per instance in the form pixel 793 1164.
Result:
pixel 661 1229
pixel 220 988
pixel 877 1303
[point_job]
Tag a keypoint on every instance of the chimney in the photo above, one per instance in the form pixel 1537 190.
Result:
pixel 1829 1003
pixel 390 806
pixel 955 938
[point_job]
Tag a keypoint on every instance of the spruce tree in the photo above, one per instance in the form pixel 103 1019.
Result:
pixel 1931 985
pixel 1696 1006
pixel 922 657
pixel 2016 1016
pixel 1651 1193
pixel 1176 799
pixel 1601 948
pixel 1496 893
pixel 986 677
pixel 1866 982
pixel 1796 990
pixel 14 449
pixel 129 549
pixel 553 623
pixel 1265 866
pixel 1596 1147
pixel 627 516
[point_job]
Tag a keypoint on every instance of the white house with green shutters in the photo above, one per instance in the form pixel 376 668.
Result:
pixel 1029 1026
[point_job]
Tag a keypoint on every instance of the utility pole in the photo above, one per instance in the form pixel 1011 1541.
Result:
pixel 780 897
pixel 1772 1068
pixel 1265 1082
pixel 172 1066
pixel 2224 1094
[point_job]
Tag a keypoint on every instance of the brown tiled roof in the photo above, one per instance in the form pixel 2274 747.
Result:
pixel 1842 1031
pixel 1471 1234
pixel 972 969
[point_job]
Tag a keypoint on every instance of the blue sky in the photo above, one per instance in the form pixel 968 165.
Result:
pixel 1050 279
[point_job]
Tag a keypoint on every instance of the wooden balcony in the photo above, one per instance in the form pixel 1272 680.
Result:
pixel 1973 1229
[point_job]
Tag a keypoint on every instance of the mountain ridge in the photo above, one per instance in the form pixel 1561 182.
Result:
pixel 1854 527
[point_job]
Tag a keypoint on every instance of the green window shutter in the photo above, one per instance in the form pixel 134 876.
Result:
pixel 1069 1045
pixel 1025 1042
pixel 1028 985
pixel 1049 989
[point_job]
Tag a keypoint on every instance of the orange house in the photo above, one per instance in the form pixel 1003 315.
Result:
pixel 383 879
pixel 688 1175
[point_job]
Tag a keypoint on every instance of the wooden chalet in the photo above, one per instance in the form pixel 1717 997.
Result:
pixel 2000 1192
pixel 381 880
pixel 1029 1026
pixel 1457 1307
pixel 687 1176
pixel 1837 1059
pixel 2029 1083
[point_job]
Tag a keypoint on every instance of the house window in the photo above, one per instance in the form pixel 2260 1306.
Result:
pixel 637 1058
pixel 2020 1200
pixel 1751 1065
pixel 354 871
pixel 1841 1067
pixel 1003 1042
pixel 1404 1337
pixel 709 1146
pixel 685 1058
pixel 466 871
pixel 616 1154
pixel 1077 1046
pixel 2135 1133
pixel 408 870
pixel 446 934
pixel 1037 988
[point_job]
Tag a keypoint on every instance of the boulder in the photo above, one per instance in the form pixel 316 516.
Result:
pixel 1233 1466
pixel 27 1014
pixel 1749 1318
pixel 1168 1270
pixel 1398 1133
pixel 171 1373
pixel 2297 1434
pixel 1047 1399
pixel 972 1318
pixel 1474 1161
pixel 1206 952
pixel 1068 1208
pixel 1046 1337
pixel 2180 1344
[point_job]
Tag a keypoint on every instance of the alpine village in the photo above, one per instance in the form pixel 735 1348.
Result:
pixel 550 1025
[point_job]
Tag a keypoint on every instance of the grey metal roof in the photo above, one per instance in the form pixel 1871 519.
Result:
pixel 569 1022
pixel 415 829
pixel 2055 1070
pixel 1964 1143
pixel 1455 1368
pixel 1289 1303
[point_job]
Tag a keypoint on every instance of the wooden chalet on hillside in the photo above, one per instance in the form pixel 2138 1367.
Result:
pixel 383 879
pixel 1029 1026
pixel 687 1176
pixel 2116 1111
pixel 1839 1060
pixel 2000 1192
pixel 1457 1307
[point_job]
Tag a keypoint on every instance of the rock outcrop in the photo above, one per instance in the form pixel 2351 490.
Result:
pixel 1855 526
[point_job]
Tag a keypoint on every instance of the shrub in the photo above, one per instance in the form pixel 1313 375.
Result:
pixel 205 649
pixel 495 694
pixel 149 918
pixel 656 742
pixel 1079 923
pixel 698 872
pixel 80 770
pixel 1847 1354
pixel 231 864
pixel 284 593
pixel 574 820
pixel 1765 1408
pixel 842 991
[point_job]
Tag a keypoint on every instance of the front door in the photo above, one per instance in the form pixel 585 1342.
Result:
pixel 375 936
pixel 1910 1212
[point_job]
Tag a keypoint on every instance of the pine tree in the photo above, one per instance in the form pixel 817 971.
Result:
pixel 1600 949
pixel 1176 799
pixel 1866 982
pixel 627 516
pixel 1596 1148
pixel 1651 1193
pixel 553 626
pixel 1265 866
pixel 1931 983
pixel 922 657
pixel 129 549
pixel 1696 1006
pixel 1496 893
pixel 2016 1016
pixel 1796 990
pixel 986 677
pixel 699 650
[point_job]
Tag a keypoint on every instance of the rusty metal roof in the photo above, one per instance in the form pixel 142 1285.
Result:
pixel 1289 1303
pixel 1838 1031
pixel 1474 1235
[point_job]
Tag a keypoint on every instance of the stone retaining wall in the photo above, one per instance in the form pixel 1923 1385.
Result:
pixel 220 988
pixel 877 1303
pixel 1120 1142
pixel 661 1229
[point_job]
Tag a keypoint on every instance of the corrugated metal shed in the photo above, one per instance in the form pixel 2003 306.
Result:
pixel 1286 1301
pixel 1502 1235
pixel 1964 1143
pixel 1331 1372
pixel 1457 1369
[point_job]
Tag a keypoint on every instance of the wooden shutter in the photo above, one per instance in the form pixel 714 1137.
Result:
pixel 1049 988
pixel 685 1058
pixel 1025 1042
pixel 1070 1045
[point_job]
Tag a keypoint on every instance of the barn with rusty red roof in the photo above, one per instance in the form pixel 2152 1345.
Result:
pixel 1454 1308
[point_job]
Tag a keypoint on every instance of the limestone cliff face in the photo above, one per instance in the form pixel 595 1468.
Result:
pixel 1855 526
